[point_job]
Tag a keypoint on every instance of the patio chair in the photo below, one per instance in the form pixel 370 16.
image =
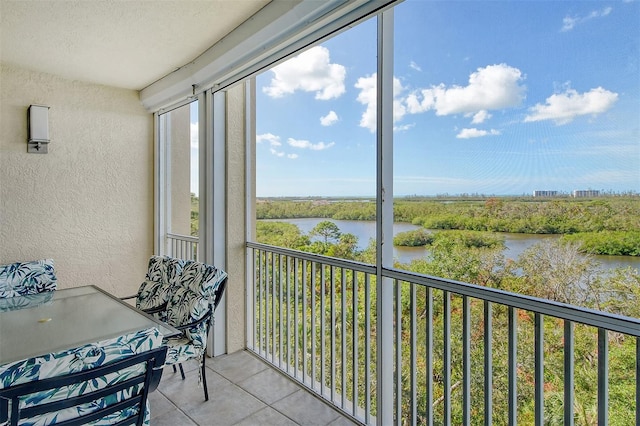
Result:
pixel 106 383
pixel 191 310
pixel 27 278
pixel 162 276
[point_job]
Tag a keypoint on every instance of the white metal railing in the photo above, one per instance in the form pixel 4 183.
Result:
pixel 464 354
pixel 182 246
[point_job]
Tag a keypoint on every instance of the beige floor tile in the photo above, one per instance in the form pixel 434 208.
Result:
pixel 305 409
pixel 187 392
pixel 159 404
pixel 269 386
pixel 172 418
pixel 238 366
pixel 243 391
pixel 266 417
pixel 230 405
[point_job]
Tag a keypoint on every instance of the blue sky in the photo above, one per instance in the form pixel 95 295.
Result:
pixel 489 97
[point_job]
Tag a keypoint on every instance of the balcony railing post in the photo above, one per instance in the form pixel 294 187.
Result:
pixel 539 369
pixel 412 402
pixel 568 373
pixel 603 377
pixel 637 380
pixel 513 366
pixel 488 363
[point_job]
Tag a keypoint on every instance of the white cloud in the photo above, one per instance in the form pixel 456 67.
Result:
pixel 493 87
pixel 475 133
pixel 268 137
pixel 569 22
pixel 329 119
pixel 415 66
pixel 368 97
pixel 274 144
pixel 304 144
pixel 480 117
pixel 404 127
pixel 310 71
pixel 490 88
pixel 564 107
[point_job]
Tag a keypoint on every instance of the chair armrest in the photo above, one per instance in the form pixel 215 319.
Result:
pixel 129 297
pixel 156 309
pixel 150 311
pixel 194 323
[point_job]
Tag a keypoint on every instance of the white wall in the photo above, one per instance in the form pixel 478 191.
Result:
pixel 88 203
pixel 236 227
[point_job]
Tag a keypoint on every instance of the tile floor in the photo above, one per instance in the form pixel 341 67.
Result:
pixel 243 390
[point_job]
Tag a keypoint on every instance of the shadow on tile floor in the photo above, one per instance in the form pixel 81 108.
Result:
pixel 243 390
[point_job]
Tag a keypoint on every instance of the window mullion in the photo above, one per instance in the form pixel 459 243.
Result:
pixel 384 225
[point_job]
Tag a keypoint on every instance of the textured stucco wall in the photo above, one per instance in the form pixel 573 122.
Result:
pixel 88 203
pixel 236 206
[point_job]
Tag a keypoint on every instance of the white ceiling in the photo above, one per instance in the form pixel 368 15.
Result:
pixel 128 44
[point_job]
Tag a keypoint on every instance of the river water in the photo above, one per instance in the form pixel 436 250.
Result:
pixel 515 243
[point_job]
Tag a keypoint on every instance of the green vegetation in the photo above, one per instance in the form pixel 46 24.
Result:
pixel 553 269
pixel 417 238
pixel 607 225
pixel 614 243
pixel 195 214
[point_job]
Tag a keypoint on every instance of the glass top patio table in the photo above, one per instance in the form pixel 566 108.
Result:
pixel 65 319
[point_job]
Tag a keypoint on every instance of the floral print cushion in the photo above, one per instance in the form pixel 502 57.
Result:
pixel 24 278
pixel 164 269
pixel 162 277
pixel 202 278
pixel 186 307
pixel 181 349
pixel 151 294
pixel 79 359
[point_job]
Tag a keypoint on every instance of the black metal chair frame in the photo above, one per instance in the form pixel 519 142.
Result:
pixel 208 317
pixel 154 360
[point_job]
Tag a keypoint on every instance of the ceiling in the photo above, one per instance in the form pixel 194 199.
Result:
pixel 127 44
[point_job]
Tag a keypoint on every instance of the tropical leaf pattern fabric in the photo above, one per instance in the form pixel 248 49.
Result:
pixel 25 278
pixel 151 294
pixel 181 349
pixel 79 359
pixel 187 307
pixel 191 301
pixel 162 278
pixel 202 278
pixel 164 269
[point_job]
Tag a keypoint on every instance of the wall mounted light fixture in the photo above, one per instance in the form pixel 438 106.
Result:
pixel 38 129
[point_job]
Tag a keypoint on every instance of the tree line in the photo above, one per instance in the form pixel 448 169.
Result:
pixel 607 225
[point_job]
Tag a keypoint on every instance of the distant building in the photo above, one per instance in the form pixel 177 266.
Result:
pixel 580 193
pixel 545 193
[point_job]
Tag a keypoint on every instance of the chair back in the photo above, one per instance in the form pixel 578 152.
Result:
pixel 190 309
pixel 26 278
pixel 203 279
pixel 164 269
pixel 219 293
pixel 122 401
pixel 163 275
pixel 192 303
